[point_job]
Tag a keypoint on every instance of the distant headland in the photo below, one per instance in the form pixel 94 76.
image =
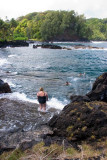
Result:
pixel 53 26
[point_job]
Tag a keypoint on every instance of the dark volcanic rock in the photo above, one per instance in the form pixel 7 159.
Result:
pixel 86 117
pixel 13 44
pixel 2 114
pixel 78 98
pixel 21 124
pixel 53 46
pixel 85 47
pixel 50 46
pixel 80 121
pixel 26 145
pixel 4 87
pixel 98 92
pixel 99 89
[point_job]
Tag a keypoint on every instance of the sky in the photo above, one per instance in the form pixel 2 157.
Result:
pixel 17 8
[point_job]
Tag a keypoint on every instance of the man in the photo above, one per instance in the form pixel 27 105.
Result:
pixel 42 98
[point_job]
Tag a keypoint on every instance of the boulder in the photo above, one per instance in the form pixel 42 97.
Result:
pixel 4 87
pixel 81 121
pixel 99 89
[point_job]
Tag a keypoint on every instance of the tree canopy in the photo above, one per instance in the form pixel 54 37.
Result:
pixel 53 26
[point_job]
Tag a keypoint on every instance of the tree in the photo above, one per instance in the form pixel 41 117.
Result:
pixel 20 31
pixel 4 30
pixel 98 27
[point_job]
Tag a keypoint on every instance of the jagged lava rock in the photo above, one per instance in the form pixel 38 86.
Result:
pixel 85 118
pixel 99 89
pixel 4 87
pixel 79 98
pixel 80 121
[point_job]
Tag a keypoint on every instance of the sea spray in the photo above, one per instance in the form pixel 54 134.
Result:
pixel 51 103
pixel 3 62
pixel 55 103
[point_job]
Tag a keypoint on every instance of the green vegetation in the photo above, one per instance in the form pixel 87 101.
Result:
pixel 99 28
pixel 54 151
pixel 53 25
pixel 14 155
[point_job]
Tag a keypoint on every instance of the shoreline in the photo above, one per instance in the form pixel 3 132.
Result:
pixel 18 43
pixel 83 116
pixel 25 43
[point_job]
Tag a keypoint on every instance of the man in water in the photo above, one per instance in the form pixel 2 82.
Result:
pixel 67 83
pixel 42 98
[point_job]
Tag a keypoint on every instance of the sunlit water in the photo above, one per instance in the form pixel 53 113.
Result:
pixel 27 69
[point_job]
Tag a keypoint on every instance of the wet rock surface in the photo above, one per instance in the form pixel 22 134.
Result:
pixel 21 121
pixel 4 87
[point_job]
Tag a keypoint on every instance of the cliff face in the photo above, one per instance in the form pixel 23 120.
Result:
pixel 85 118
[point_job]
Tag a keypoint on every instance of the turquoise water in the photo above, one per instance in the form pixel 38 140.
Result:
pixel 27 69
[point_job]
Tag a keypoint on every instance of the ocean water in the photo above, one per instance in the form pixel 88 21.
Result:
pixel 27 69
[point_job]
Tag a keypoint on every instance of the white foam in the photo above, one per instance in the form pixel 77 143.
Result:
pixel 55 103
pixel 43 66
pixel 52 103
pixel 74 79
pixel 9 82
pixel 97 41
pixel 3 61
pixel 18 96
pixel 12 55
pixel 14 73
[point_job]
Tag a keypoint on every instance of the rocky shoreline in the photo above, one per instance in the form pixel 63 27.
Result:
pixel 53 46
pixel 21 43
pixel 18 43
pixel 83 120
pixel 21 121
